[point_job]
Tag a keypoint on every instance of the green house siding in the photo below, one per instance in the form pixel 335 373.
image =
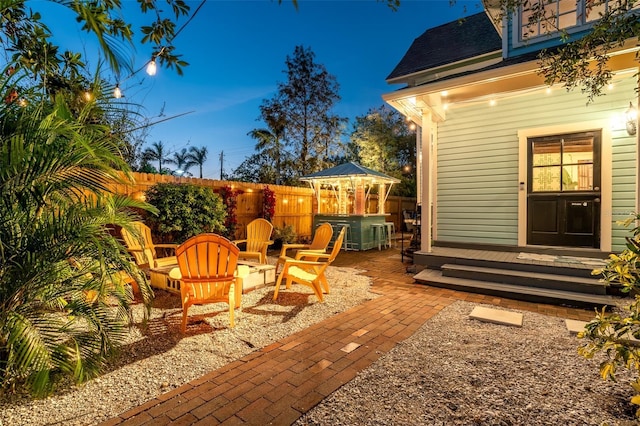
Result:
pixel 478 154
pixel 623 185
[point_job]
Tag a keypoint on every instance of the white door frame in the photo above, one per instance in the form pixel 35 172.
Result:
pixel 605 178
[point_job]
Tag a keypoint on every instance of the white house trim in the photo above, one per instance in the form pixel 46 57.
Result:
pixel 605 180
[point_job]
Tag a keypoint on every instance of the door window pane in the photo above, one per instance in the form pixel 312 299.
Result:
pixel 546 179
pixel 546 153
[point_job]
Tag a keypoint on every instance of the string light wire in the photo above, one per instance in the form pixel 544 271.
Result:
pixel 153 58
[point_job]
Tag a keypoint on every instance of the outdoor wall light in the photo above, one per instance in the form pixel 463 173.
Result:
pixel 632 116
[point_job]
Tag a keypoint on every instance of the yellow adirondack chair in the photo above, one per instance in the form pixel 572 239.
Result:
pixel 207 273
pixel 308 272
pixel 320 242
pixel 257 240
pixel 143 250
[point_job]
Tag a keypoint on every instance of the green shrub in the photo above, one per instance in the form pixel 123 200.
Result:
pixel 284 235
pixel 616 335
pixel 184 210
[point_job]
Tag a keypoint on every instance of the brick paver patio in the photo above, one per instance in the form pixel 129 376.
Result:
pixel 277 384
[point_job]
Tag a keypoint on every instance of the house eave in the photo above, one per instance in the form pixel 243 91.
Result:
pixel 435 96
pixel 469 64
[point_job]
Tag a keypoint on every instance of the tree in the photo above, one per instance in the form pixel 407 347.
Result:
pixel 181 160
pixel 255 168
pixel 303 108
pixel 197 157
pixel 271 148
pixel 157 152
pixel 28 38
pixel 382 140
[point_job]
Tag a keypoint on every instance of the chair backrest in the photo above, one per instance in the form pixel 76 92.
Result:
pixel 337 245
pixel 207 258
pixel 141 243
pixel 258 232
pixel 322 237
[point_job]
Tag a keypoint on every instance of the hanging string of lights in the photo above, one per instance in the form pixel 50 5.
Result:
pixel 151 67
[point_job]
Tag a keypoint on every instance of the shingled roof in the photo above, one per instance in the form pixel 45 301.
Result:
pixel 349 170
pixel 449 43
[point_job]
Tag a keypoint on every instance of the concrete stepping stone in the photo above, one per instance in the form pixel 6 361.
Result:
pixel 575 326
pixel 496 316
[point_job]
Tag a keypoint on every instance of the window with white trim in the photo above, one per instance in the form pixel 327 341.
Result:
pixel 540 17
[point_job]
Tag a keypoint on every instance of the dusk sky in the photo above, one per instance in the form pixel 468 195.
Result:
pixel 237 49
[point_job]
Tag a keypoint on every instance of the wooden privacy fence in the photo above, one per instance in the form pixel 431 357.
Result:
pixel 294 205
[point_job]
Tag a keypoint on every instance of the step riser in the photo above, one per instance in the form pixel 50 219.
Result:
pixel 512 295
pixel 526 281
pixel 436 262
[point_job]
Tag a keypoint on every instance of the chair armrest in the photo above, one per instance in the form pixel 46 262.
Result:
pixel 320 254
pixel 285 247
pixel 175 274
pixel 236 242
pixel 270 242
pixel 172 246
pixel 311 253
pixel 295 246
pixel 294 262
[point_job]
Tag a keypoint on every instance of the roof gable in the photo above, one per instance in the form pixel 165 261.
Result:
pixel 449 43
pixel 349 170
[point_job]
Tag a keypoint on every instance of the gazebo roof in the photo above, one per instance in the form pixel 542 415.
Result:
pixel 347 171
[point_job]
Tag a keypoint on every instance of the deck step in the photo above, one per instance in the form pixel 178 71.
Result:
pixel 435 261
pixel 526 278
pixel 531 294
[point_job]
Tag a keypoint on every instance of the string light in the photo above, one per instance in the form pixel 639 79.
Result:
pixel 152 68
pixel 117 93
pixel 492 102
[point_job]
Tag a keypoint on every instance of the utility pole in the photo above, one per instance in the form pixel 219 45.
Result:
pixel 221 164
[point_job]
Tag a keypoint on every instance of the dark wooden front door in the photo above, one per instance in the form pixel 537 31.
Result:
pixel 563 195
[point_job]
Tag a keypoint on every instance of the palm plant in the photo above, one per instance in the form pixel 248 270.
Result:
pixel 181 160
pixel 157 152
pixel 197 157
pixel 63 305
pixel 270 144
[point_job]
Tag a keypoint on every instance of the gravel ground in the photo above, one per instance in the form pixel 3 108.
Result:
pixel 159 359
pixel 459 371
pixel 453 371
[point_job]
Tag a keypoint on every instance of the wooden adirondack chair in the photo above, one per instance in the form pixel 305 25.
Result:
pixel 308 272
pixel 143 250
pixel 257 240
pixel 207 273
pixel 320 242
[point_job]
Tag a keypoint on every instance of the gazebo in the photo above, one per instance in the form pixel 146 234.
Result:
pixel 366 229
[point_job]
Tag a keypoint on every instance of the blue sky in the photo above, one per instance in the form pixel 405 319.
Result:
pixel 237 48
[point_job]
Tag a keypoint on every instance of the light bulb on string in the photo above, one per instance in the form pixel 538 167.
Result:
pixel 117 93
pixel 152 68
